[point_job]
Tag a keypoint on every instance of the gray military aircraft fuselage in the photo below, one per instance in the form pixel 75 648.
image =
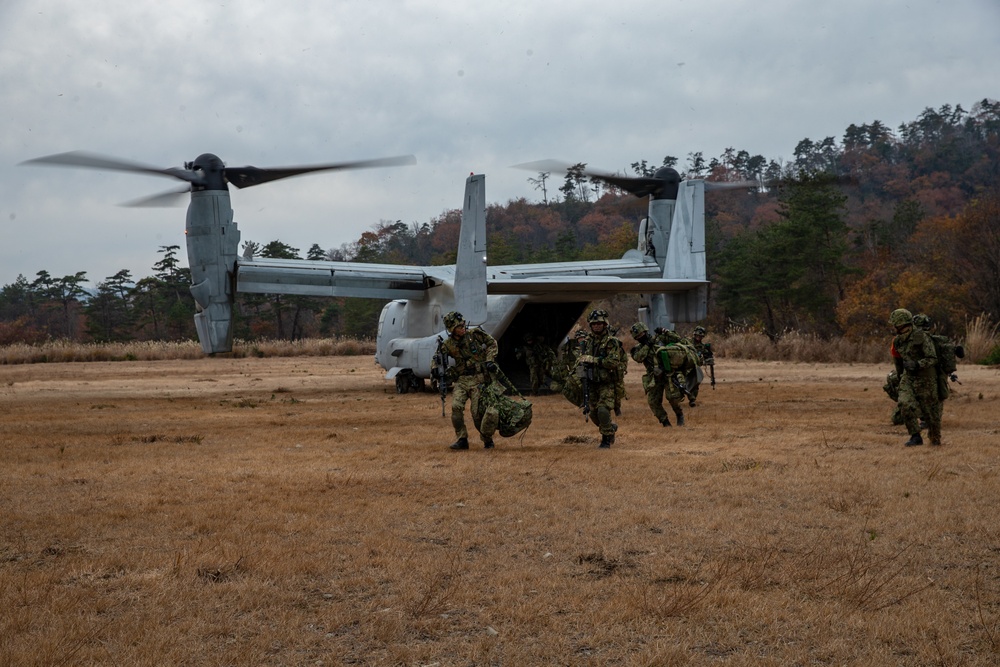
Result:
pixel 667 268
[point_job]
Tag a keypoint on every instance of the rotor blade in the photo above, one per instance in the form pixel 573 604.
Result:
pixel 544 165
pixel 94 161
pixel 244 177
pixel 164 199
pixel 640 186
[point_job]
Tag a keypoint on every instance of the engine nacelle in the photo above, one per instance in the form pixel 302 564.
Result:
pixel 212 244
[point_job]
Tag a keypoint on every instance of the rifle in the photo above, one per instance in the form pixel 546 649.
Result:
pixel 441 364
pixel 711 370
pixel 680 385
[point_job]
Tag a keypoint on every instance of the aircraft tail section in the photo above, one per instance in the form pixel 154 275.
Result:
pixel 675 234
pixel 470 266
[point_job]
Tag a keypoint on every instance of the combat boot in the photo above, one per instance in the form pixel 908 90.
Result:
pixel 461 443
pixel 692 403
pixel 487 443
pixel 680 419
pixel 665 422
pixel 606 441
pixel 914 440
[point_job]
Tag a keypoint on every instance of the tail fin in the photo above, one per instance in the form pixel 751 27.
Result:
pixel 470 266
pixel 679 228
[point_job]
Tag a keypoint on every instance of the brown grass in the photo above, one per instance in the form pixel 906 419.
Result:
pixel 981 338
pixel 296 511
pixel 56 351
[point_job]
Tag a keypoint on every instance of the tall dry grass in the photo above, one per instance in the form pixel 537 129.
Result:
pixel 297 511
pixel 56 351
pixel 800 347
pixel 981 338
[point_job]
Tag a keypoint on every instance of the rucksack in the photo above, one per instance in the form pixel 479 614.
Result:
pixel 515 411
pixel 948 353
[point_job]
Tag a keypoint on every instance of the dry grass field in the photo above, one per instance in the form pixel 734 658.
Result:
pixel 296 511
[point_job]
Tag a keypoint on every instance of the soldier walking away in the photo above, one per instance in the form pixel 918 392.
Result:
pixel 474 352
pixel 916 362
pixel 601 357
pixel 655 380
pixel 539 357
pixel 706 357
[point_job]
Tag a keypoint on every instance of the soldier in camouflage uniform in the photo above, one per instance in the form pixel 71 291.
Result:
pixel 706 357
pixel 539 358
pixel 654 382
pixel 565 366
pixel 620 394
pixel 474 352
pixel 915 359
pixel 600 361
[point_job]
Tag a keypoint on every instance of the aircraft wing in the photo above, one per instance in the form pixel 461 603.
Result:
pixel 315 278
pixel 589 287
pixel 632 274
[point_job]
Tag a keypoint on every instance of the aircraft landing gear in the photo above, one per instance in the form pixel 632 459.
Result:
pixel 407 382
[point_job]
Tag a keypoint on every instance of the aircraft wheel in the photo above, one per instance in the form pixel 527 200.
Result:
pixel 402 384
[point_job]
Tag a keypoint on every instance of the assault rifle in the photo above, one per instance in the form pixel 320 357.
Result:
pixel 441 371
pixel 680 385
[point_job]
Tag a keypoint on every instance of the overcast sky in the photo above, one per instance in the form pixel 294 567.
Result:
pixel 463 86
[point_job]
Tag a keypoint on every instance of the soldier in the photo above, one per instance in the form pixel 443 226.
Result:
pixel 539 358
pixel 474 352
pixel 654 382
pixel 601 357
pixel 565 365
pixel 706 357
pixel 620 394
pixel 916 365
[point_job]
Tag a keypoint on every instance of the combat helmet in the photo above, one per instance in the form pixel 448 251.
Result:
pixel 900 317
pixel 699 331
pixel 452 320
pixel 922 321
pixel 580 333
pixel 599 315
pixel 639 330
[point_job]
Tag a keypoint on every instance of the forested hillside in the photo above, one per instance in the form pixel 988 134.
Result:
pixel 828 243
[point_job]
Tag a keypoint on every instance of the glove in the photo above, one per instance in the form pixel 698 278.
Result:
pixel 491 367
pixel 586 359
pixel 910 365
pixel 451 374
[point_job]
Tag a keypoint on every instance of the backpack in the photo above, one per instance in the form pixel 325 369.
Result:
pixel 676 357
pixel 948 353
pixel 515 411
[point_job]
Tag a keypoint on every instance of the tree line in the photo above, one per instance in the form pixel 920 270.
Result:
pixel 828 242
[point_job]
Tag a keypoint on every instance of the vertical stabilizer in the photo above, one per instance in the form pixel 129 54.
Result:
pixel 677 230
pixel 470 266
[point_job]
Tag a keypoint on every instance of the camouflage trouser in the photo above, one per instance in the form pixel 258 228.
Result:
pixel 655 390
pixel 602 403
pixel 918 396
pixel 620 394
pixel 537 374
pixel 467 388
pixel 491 418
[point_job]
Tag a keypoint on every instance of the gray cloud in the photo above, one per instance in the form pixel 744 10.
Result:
pixel 463 86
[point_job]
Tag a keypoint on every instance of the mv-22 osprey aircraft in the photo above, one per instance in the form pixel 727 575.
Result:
pixel 667 267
